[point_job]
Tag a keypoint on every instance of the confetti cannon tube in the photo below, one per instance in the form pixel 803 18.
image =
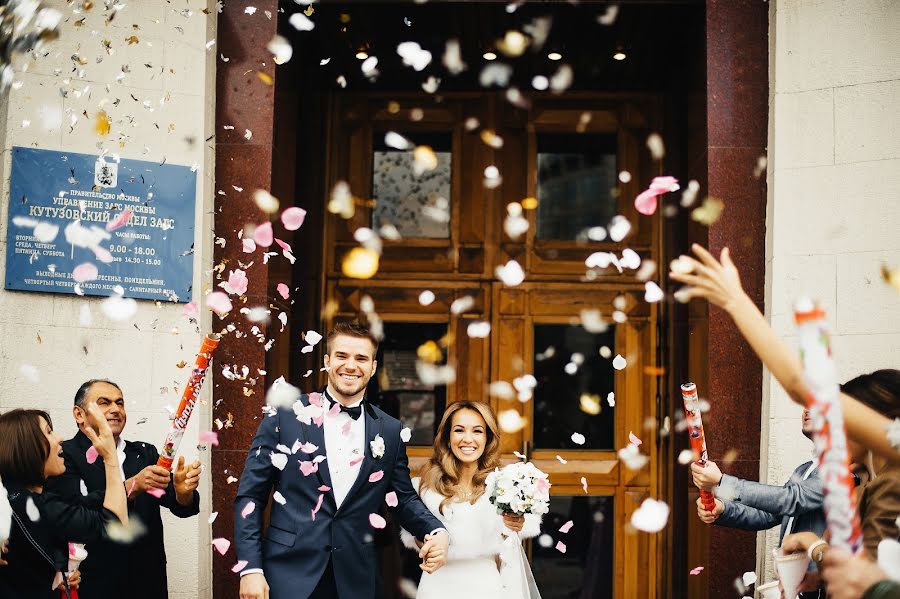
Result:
pixel 827 422
pixel 698 439
pixel 188 401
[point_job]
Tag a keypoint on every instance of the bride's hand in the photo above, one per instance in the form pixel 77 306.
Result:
pixel 514 522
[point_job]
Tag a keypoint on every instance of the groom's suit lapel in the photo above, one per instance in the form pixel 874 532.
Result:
pixel 315 434
pixel 374 427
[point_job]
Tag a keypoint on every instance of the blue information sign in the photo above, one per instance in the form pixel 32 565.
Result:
pixel 63 210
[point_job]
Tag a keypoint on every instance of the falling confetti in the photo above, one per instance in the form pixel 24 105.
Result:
pixel 651 516
pixel 377 521
pixel 376 476
pixel 696 571
pixel 646 201
pixel 652 292
pixel 391 499
pixel 102 124
pixel 578 439
pixel 709 211
pixel 619 362
pixel 360 263
pixel 221 545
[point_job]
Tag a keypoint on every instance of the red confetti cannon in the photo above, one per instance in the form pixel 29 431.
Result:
pixel 188 401
pixel 827 422
pixel 698 439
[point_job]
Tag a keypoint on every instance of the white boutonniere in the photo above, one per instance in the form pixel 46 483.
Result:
pixel 377 447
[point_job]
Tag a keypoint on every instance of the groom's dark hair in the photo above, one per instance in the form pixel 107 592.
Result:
pixel 351 329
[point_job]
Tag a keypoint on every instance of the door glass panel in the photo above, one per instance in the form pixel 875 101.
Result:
pixel 576 183
pixel 396 387
pixel 411 188
pixel 573 382
pixel 585 570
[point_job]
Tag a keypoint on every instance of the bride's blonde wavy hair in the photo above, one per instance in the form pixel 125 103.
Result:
pixel 441 474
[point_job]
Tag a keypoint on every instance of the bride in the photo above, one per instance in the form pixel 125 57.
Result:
pixel 485 559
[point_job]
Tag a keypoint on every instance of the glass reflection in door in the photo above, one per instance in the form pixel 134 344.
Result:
pixel 585 570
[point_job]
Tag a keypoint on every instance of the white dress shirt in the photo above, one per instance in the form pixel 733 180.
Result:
pixel 345 448
pixel 120 452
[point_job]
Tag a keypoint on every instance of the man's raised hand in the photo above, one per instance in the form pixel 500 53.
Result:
pixel 706 477
pixel 186 479
pixel 151 477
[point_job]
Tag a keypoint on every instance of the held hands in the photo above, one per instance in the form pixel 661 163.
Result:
pixel 707 278
pixel 849 577
pixel 706 477
pixel 98 431
pixel 707 516
pixel 254 586
pixel 514 522
pixel 186 479
pixel 151 477
pixel 434 551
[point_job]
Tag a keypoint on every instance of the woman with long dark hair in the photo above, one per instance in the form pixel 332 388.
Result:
pixel 43 523
pixel 485 557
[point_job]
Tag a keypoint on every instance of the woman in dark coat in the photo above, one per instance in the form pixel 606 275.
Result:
pixel 43 523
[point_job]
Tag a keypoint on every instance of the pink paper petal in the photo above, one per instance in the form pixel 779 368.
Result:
pixel 696 571
pixel 308 468
pixel 664 184
pixel 318 420
pixel 284 245
pixel 324 488
pixel 561 460
pixel 318 506
pixel 334 409
pixel 119 221
pixel 345 430
pixel 292 218
pixel 308 448
pixel 315 399
pixel 189 310
pixel 209 438
pixel 377 521
pixel 156 492
pixel 263 235
pixel 240 565
pixel 634 440
pixel 376 476
pixel 91 454
pixel 102 254
pixel 249 246
pixel 391 499
pixel 221 545
pixel 283 290
pixel 84 273
pixel 356 461
pixel 248 509
pixel 218 302
pixel 584 484
pixel 561 547
pixel 646 202
pixel 566 527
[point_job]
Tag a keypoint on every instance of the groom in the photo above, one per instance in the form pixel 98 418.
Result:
pixel 319 542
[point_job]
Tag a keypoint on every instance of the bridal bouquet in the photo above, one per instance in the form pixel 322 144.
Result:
pixel 519 488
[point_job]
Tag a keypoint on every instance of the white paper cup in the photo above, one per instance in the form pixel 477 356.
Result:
pixel 791 569
pixel 770 590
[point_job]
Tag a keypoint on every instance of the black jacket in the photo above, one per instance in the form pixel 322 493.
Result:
pixel 61 520
pixel 113 570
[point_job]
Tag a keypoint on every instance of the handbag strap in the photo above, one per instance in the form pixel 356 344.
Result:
pixel 42 553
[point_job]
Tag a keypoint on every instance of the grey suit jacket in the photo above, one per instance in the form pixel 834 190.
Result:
pixel 756 506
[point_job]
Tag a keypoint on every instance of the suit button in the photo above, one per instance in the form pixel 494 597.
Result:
pixel 327 547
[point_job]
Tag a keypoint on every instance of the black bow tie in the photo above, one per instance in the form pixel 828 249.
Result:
pixel 354 412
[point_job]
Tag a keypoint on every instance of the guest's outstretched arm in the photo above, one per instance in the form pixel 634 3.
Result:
pixel 720 283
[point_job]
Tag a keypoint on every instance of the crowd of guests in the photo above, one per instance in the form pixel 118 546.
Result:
pixel 95 489
pixel 870 403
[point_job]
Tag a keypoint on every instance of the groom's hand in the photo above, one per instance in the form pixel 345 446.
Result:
pixel 434 551
pixel 254 586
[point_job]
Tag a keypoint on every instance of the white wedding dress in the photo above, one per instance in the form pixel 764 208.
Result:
pixel 478 541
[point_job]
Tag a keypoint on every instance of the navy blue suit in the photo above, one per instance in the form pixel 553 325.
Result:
pixel 298 547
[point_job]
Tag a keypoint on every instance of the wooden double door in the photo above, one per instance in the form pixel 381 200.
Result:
pixel 569 357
